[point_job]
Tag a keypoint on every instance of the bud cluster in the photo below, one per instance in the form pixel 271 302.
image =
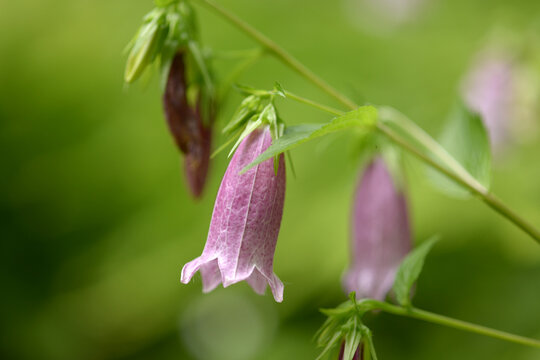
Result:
pixel 168 35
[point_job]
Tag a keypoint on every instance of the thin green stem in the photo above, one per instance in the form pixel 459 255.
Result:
pixel 386 112
pixel 314 104
pixel 280 53
pixel 453 323
pixel 496 204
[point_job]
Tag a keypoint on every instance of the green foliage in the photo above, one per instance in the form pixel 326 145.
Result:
pixel 165 30
pixel 146 45
pixel 363 118
pixel 344 326
pixel 466 139
pixel 410 270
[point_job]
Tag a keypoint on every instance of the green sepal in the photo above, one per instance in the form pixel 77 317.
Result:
pixel 251 126
pixel 247 109
pixel 146 45
pixel 353 338
pixel 344 325
pixel 331 345
pixel 369 348
pixel 165 30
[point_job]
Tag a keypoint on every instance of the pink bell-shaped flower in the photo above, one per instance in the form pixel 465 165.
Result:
pixel 245 223
pixel 381 234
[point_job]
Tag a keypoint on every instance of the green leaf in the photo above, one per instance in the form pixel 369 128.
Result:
pixel 466 139
pixel 364 118
pixel 410 270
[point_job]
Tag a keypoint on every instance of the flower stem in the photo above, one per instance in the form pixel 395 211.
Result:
pixel 457 173
pixel 411 128
pixel 280 53
pixel 453 323
pixel 314 104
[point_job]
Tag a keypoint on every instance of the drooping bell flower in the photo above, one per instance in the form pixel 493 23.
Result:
pixel 192 134
pixel 381 234
pixel 245 223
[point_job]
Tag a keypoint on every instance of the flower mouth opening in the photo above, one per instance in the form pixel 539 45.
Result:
pixel 212 275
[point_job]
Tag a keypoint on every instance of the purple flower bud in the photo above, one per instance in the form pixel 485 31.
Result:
pixel 489 89
pixel 245 223
pixel 192 136
pixel 381 234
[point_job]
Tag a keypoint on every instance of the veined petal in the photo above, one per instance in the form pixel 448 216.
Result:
pixel 246 221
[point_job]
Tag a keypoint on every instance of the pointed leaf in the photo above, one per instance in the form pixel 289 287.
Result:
pixel 466 139
pixel 410 270
pixel 145 46
pixel 330 345
pixel 279 90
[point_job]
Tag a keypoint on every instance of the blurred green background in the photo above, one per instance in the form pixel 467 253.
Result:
pixel 96 222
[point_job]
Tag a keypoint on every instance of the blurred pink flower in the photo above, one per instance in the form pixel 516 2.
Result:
pixel 381 16
pixel 490 89
pixel 381 234
pixel 245 223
